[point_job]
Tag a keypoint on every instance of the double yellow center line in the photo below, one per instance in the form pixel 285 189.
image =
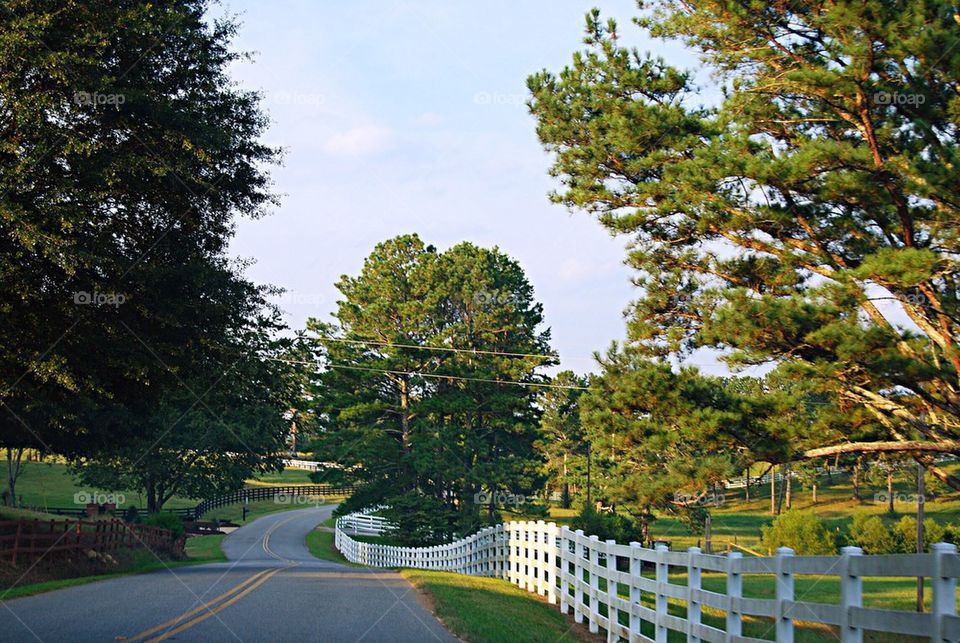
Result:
pixel 210 608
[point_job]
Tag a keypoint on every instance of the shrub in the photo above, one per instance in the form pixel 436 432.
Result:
pixel 606 525
pixel 166 520
pixel 906 531
pixel 871 534
pixel 802 531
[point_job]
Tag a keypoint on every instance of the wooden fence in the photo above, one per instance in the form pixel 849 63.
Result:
pixel 603 583
pixel 283 494
pixel 27 540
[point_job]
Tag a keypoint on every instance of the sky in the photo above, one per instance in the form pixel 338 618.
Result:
pixel 401 117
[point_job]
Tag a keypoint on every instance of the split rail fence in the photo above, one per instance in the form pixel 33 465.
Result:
pixel 627 590
pixel 28 540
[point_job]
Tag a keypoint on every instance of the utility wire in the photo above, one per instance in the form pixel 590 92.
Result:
pixel 434 375
pixel 438 348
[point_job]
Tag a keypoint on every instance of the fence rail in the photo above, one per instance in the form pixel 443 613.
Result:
pixel 26 540
pixel 601 581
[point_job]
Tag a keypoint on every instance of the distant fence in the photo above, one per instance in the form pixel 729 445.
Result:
pixel 602 582
pixel 282 493
pixel 364 524
pixel 27 540
pixel 291 494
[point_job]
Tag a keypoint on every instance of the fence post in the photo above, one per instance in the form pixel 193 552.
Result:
pixel 944 599
pixel 613 615
pixel 594 614
pixel 636 571
pixel 851 595
pixel 579 576
pixel 784 595
pixel 734 594
pixel 563 554
pixel 550 564
pixel 16 541
pixel 693 595
pixel 663 577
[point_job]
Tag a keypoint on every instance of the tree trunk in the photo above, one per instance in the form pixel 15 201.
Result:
pixel 746 487
pixel 789 485
pixel 814 492
pixel 889 488
pixel 773 491
pixel 645 526
pixel 152 505
pixel 14 463
pixel 856 480
pixel 781 489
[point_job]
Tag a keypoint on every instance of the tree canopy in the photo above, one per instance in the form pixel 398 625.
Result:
pixel 806 219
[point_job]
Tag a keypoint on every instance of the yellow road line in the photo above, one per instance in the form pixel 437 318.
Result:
pixel 233 590
pixel 216 610
pixel 266 539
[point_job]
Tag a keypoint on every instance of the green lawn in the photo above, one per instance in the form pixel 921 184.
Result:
pixel 321 545
pixel 205 549
pixel 479 610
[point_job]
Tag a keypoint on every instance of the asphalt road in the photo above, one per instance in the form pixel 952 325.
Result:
pixel 271 590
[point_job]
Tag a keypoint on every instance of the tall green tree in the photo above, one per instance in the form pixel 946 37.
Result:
pixel 126 151
pixel 662 438
pixel 808 217
pixel 422 389
pixel 561 434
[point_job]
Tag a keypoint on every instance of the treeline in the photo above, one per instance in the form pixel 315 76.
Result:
pixel 130 343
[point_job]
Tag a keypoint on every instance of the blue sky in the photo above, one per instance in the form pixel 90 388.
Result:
pixel 409 117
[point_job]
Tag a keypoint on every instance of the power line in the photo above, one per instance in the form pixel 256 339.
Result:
pixel 438 348
pixel 434 375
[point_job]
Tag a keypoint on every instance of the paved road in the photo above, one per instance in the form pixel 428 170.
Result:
pixel 271 590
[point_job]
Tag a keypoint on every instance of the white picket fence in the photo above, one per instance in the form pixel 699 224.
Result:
pixel 605 586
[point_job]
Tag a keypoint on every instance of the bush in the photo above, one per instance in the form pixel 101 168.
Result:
pixel 166 520
pixel 606 525
pixel 872 535
pixel 802 531
pixel 906 531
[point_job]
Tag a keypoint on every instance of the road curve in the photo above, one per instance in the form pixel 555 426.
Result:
pixel 271 590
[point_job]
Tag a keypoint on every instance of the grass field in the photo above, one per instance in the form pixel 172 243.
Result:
pixel 481 610
pixel 205 549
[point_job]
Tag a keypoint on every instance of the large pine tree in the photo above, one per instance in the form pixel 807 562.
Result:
pixel 809 218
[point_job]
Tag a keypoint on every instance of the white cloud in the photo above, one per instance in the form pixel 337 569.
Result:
pixel 359 141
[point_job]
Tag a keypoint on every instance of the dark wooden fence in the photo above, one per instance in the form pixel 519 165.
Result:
pixel 283 493
pixel 27 540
